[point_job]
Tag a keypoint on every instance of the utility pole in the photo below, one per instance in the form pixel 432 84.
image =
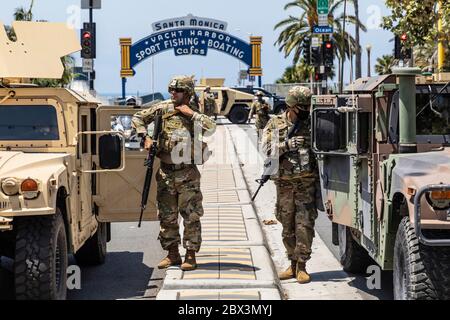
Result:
pixel 91 20
pixel 369 49
pixel 341 80
pixel 441 48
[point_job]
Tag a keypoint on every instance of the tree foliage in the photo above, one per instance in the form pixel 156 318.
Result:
pixel 418 19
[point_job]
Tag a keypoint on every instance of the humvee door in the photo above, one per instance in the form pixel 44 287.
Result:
pixel 119 192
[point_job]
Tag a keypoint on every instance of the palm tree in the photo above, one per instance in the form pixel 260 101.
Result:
pixel 385 64
pixel 296 29
pixel 296 74
pixel 21 14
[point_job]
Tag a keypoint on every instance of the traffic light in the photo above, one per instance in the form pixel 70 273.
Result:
pixel 400 51
pixel 88 50
pixel 328 54
pixel 316 56
pixel 307 50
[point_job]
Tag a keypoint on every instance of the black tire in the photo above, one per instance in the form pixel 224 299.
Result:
pixel 238 114
pixel 40 266
pixel 93 252
pixel 353 257
pixel 420 272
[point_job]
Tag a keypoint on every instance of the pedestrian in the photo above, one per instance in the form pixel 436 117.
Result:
pixel 178 178
pixel 261 109
pixel 209 103
pixel 295 180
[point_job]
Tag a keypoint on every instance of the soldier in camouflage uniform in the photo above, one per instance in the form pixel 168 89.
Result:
pixel 261 109
pixel 209 103
pixel 178 179
pixel 295 180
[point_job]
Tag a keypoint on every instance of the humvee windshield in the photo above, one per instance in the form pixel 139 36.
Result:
pixel 28 123
pixel 434 120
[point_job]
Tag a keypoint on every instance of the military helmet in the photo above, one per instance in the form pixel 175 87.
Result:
pixel 182 82
pixel 299 97
pixel 259 94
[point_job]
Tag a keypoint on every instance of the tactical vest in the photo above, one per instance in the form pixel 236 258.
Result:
pixel 299 163
pixel 178 143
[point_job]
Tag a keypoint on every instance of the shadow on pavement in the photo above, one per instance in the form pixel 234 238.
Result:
pixel 123 276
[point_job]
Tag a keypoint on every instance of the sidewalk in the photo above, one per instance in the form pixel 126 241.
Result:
pixel 329 281
pixel 233 262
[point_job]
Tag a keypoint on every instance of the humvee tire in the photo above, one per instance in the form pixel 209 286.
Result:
pixel 420 272
pixel 40 265
pixel 93 252
pixel 239 114
pixel 353 257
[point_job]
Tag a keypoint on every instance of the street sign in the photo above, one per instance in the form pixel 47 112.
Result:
pixel 322 6
pixel 243 74
pixel 315 42
pixel 96 4
pixel 88 65
pixel 323 20
pixel 322 29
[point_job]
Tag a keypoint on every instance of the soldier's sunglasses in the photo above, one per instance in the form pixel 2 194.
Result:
pixel 177 90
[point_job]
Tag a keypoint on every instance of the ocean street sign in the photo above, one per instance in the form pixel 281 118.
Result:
pixel 322 29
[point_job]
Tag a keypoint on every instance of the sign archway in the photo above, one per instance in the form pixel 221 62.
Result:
pixel 189 36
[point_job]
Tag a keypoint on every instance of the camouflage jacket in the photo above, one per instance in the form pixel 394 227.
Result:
pixel 209 99
pixel 180 134
pixel 261 109
pixel 293 164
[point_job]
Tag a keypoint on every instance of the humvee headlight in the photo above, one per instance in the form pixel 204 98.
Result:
pixel 29 188
pixel 439 199
pixel 440 195
pixel 10 187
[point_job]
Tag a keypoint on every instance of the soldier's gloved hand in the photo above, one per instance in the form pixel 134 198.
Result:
pixel 295 143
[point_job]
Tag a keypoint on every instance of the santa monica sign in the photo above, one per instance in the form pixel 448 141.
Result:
pixel 189 21
pixel 190 35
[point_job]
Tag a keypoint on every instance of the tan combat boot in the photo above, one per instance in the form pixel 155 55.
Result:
pixel 302 275
pixel 172 259
pixel 289 273
pixel 189 261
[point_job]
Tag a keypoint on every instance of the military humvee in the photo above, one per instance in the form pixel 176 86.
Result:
pixel 383 150
pixel 68 165
pixel 233 104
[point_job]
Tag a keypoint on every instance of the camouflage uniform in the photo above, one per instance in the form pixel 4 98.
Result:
pixel 261 109
pixel 295 182
pixel 209 103
pixel 178 179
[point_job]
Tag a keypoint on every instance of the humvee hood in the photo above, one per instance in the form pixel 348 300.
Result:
pixel 33 165
pixel 422 169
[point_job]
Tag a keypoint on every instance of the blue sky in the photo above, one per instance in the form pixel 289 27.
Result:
pixel 133 18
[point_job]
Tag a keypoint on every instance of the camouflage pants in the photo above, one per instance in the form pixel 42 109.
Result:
pixel 179 192
pixel 210 109
pixel 296 210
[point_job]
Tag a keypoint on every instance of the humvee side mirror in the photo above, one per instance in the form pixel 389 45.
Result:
pixel 110 151
pixel 329 130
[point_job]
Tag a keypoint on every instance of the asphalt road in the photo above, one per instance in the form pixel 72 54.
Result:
pixel 129 271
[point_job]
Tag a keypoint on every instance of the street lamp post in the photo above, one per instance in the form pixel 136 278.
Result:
pixel 369 49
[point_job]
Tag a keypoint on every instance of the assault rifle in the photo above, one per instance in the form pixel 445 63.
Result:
pixel 268 164
pixel 149 164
